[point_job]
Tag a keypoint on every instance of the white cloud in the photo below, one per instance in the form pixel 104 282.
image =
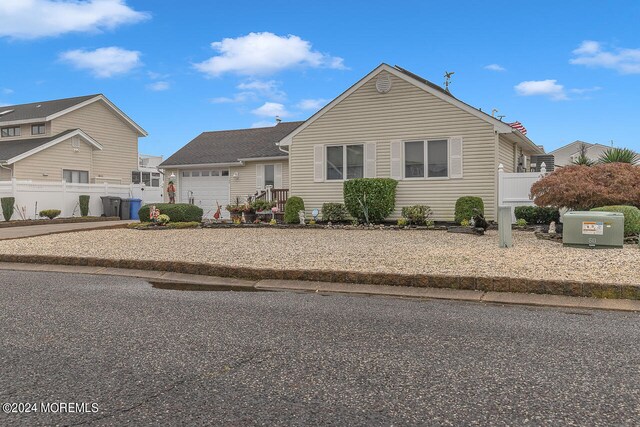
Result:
pixel 494 67
pixel 582 91
pixel 549 88
pixel 7 91
pixel 263 54
pixel 263 124
pixel 271 109
pixel 268 89
pixel 593 54
pixel 103 62
pixel 30 19
pixel 312 104
pixel 237 98
pixel 158 86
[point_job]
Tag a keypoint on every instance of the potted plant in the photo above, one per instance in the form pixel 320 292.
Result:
pixel 235 210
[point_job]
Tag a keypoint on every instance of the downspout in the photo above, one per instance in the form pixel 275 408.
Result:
pixel 288 163
pixel 496 162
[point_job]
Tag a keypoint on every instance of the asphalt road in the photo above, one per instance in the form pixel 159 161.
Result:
pixel 150 356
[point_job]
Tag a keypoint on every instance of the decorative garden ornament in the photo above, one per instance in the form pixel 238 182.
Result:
pixel 552 227
pixel 301 216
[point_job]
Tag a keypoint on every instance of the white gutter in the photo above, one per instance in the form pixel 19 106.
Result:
pixel 257 159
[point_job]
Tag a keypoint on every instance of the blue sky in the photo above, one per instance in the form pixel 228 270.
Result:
pixel 567 70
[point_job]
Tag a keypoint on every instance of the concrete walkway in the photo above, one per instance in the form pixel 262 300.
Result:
pixel 21 232
pixel 341 288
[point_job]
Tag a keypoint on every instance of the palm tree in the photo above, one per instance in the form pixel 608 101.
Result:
pixel 619 155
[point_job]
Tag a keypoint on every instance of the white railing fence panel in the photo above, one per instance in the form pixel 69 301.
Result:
pixel 32 197
pixel 514 189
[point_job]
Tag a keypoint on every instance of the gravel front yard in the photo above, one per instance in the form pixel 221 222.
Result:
pixel 428 252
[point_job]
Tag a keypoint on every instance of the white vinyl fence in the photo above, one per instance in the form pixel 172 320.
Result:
pixel 514 189
pixel 32 197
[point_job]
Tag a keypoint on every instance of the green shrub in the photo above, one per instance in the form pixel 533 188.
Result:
pixel 521 222
pixel 163 219
pixel 537 214
pixel 179 225
pixel 262 205
pixel 416 214
pixel 402 222
pixel 178 212
pixel 371 199
pixel 84 205
pixel 465 223
pixel 466 206
pixel 8 204
pixel 291 208
pixel 334 212
pixel 49 213
pixel 631 217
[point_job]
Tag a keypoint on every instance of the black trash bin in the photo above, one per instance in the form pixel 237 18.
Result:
pixel 111 205
pixel 125 209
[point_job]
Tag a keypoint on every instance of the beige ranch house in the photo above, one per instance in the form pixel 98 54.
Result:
pixel 84 139
pixel 390 124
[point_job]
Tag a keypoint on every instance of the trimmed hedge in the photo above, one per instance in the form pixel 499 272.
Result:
pixel 537 214
pixel 49 213
pixel 8 204
pixel 291 208
pixel 465 208
pixel 84 204
pixel 417 214
pixel 631 217
pixel 377 195
pixel 178 212
pixel 334 212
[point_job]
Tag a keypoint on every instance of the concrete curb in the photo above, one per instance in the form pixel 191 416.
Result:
pixel 77 230
pixel 340 288
pixel 484 284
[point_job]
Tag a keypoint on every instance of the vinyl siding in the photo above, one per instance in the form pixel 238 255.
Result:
pixel 246 183
pixel 506 155
pixel 5 174
pixel 25 131
pixel 48 164
pixel 119 140
pixel 405 113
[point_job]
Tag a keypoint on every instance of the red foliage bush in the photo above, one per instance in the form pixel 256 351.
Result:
pixel 585 187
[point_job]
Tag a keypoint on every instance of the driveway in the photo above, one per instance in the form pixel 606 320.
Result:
pixel 151 356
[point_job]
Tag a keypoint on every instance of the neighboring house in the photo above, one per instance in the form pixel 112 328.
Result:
pixel 565 155
pixel 85 139
pixel 148 172
pixel 218 167
pixel 395 124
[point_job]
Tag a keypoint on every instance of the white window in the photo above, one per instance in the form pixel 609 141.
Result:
pixel 37 129
pixel 344 162
pixel 215 173
pixel 225 173
pixel 195 173
pixel 186 174
pixel 205 173
pixel 71 176
pixel 155 179
pixel 432 153
pixel 146 178
pixel 135 177
pixel 9 132
pixel 269 175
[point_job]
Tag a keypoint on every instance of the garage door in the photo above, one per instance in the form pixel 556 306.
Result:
pixel 206 187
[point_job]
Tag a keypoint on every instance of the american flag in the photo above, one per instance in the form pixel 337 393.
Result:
pixel 518 126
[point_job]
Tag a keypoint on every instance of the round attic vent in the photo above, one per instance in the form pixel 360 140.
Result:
pixel 383 83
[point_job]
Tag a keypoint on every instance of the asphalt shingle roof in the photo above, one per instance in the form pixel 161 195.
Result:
pixel 39 110
pixel 228 146
pixel 11 149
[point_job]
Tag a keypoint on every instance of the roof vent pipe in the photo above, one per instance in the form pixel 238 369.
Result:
pixel 278 119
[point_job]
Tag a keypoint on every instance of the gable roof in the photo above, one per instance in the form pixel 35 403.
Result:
pixel 577 144
pixel 427 86
pixel 18 149
pixel 48 110
pixel 232 146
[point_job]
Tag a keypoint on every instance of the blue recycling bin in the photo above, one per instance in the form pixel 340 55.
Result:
pixel 135 205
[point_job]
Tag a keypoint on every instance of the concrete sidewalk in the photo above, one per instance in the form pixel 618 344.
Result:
pixel 21 232
pixel 342 288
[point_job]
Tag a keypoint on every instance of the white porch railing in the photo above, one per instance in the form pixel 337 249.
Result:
pixel 33 196
pixel 514 189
